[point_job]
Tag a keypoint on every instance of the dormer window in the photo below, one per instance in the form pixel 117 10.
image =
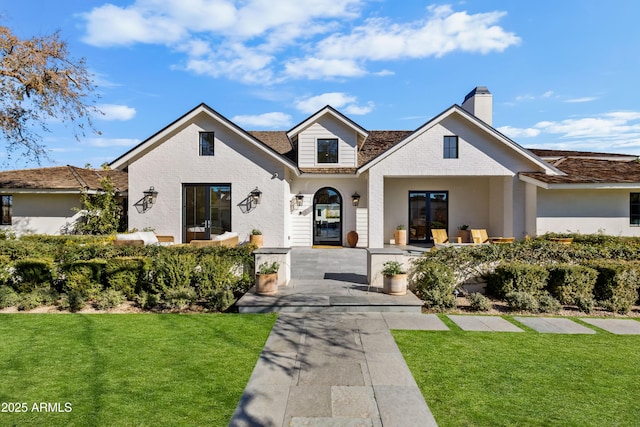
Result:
pixel 328 150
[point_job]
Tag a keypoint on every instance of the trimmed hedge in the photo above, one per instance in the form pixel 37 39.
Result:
pixel 616 288
pixel 517 277
pixel 568 282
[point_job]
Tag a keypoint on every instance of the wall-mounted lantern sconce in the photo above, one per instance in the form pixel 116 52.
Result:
pixel 355 199
pixel 147 201
pixel 256 195
pixel 254 198
pixel 299 199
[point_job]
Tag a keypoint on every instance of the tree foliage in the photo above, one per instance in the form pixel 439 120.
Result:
pixel 40 81
pixel 101 211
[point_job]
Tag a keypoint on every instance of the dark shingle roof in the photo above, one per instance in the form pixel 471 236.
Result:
pixel 62 178
pixel 581 170
pixel 378 142
pixel 276 140
pixel 566 153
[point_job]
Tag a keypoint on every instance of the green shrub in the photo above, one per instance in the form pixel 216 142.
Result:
pixel 8 297
pixel 216 278
pixel 82 279
pixel 548 304
pixel 31 273
pixel 479 302
pixel 108 299
pixel 126 275
pixel 180 298
pixel 434 283
pixel 517 277
pixel 568 282
pixel 585 304
pixel 93 269
pixel 172 270
pixel 522 301
pixel 74 300
pixel 147 300
pixel 617 285
pixel 30 300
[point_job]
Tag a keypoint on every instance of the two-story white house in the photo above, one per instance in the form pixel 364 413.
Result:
pixel 327 176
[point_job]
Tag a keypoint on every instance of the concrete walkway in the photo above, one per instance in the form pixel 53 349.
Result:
pixel 341 369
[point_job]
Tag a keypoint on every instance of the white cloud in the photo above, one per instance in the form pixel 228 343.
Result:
pixel 584 99
pixel 338 100
pixel 256 42
pixel 515 133
pixel 275 120
pixel 617 131
pixel 113 112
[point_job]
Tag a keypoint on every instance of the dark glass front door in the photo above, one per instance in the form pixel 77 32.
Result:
pixel 327 217
pixel 427 210
pixel 206 211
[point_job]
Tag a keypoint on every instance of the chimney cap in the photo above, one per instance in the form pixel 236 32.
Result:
pixel 478 90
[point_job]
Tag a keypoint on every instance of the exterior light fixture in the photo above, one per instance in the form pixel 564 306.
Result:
pixel 150 196
pixel 299 199
pixel 355 199
pixel 256 195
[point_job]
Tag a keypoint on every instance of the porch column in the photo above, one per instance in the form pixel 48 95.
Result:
pixel 375 195
pixel 507 219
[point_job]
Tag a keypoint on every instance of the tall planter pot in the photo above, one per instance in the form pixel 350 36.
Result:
pixel 395 284
pixel 267 284
pixel 256 239
pixel 352 239
pixel 401 237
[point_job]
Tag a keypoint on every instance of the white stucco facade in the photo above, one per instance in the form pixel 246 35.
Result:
pixel 307 201
pixel 42 212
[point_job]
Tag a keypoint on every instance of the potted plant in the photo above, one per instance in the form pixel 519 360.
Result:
pixel 256 237
pixel 401 235
pixel 464 233
pixel 267 278
pixel 395 278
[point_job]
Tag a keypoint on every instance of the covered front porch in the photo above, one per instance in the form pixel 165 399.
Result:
pixel 494 203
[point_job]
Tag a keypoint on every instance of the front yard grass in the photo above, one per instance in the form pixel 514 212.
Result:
pixel 126 369
pixel 532 379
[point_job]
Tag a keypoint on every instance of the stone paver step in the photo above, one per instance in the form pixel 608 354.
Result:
pixel 483 323
pixel 554 325
pixel 615 326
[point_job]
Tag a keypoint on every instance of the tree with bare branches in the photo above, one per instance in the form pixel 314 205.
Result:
pixel 40 82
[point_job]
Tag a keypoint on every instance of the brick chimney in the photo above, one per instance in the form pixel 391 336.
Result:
pixel 479 102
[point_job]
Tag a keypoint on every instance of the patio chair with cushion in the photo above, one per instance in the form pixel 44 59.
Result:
pixel 225 239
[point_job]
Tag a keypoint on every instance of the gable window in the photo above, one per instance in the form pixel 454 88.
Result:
pixel 634 209
pixel 6 206
pixel 328 150
pixel 450 147
pixel 206 143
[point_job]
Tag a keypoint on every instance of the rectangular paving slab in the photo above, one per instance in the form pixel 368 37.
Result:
pixel 483 323
pixel 414 321
pixel 554 325
pixel 616 326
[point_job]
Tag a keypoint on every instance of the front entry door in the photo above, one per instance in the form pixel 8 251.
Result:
pixel 327 217
pixel 427 210
pixel 206 211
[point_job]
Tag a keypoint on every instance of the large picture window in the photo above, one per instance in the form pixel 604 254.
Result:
pixel 328 150
pixel 206 143
pixel 6 206
pixel 634 209
pixel 450 147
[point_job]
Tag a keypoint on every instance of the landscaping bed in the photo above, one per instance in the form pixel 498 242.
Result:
pixel 595 275
pixel 86 274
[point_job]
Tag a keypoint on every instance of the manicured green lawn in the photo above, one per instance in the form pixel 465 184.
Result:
pixel 526 379
pixel 127 369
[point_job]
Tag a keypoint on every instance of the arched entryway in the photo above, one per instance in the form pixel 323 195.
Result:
pixel 327 217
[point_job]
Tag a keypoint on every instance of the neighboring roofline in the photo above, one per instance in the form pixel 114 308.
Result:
pixel 579 185
pixel 324 110
pixel 45 191
pixel 455 108
pixel 139 150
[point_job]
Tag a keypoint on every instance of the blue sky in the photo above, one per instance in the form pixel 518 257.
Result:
pixel 563 74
